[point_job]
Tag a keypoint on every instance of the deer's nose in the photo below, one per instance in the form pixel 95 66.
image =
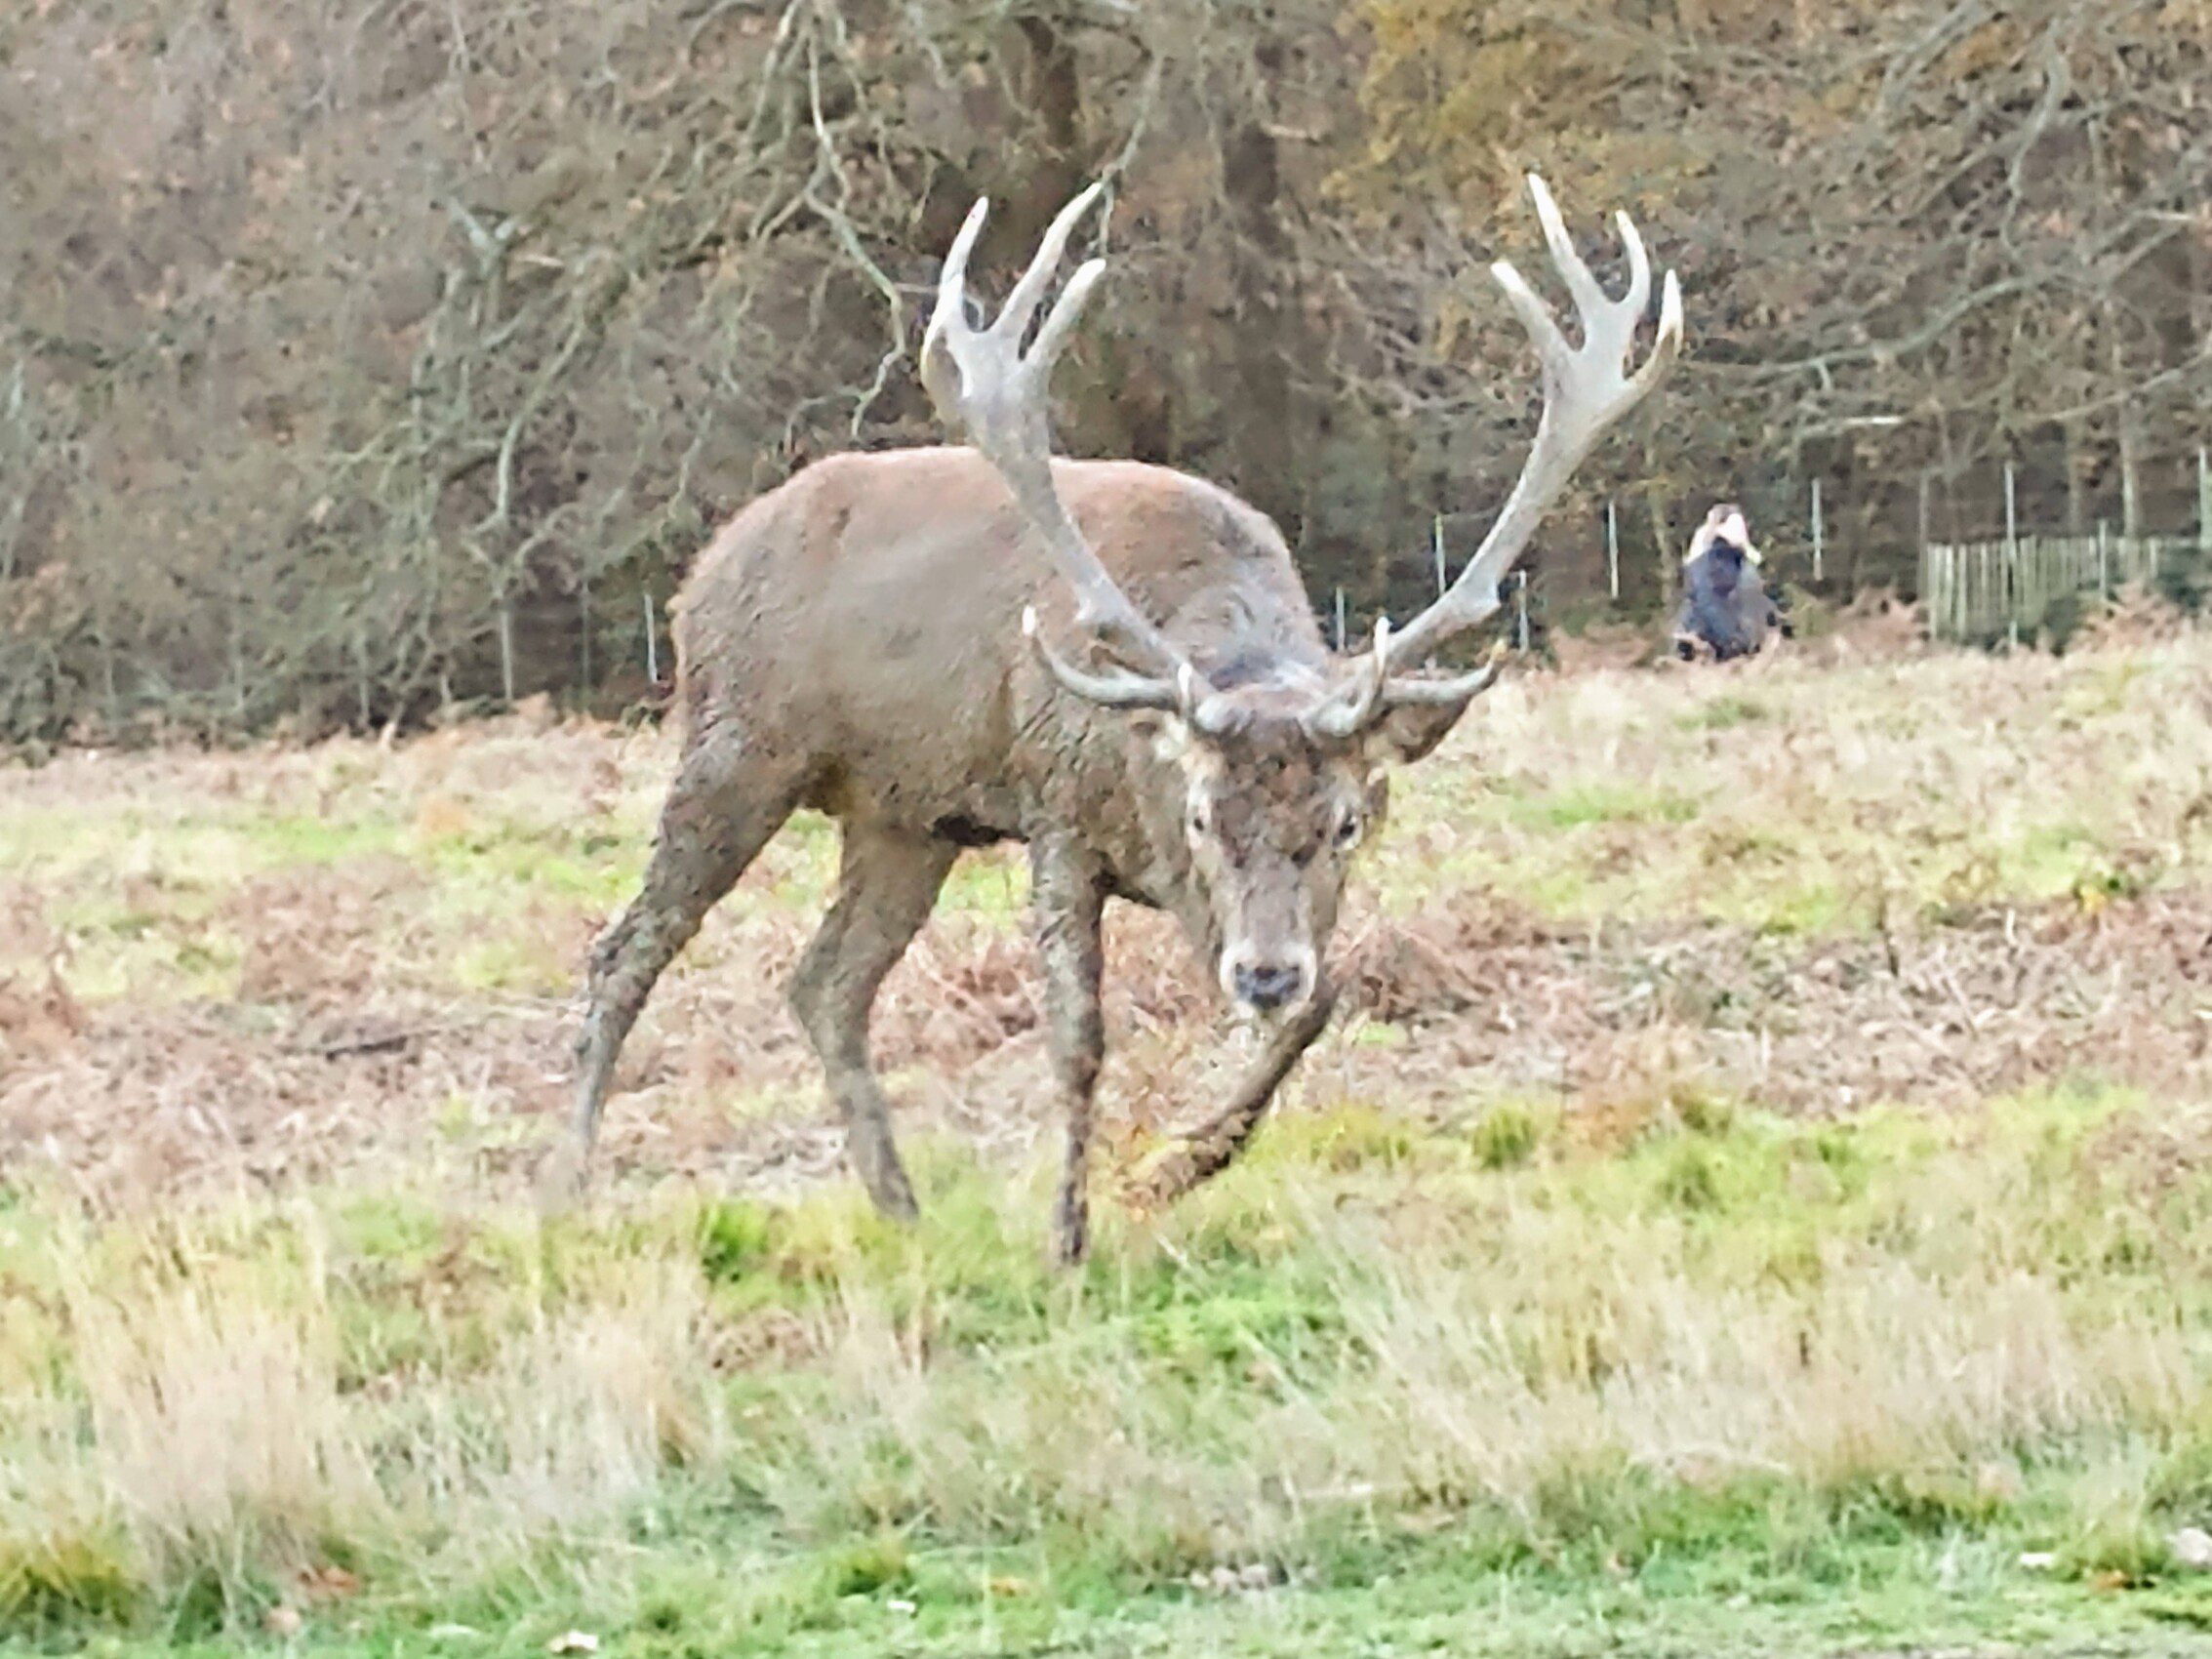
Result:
pixel 1269 985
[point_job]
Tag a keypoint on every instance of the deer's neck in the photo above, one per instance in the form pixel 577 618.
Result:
pixel 1242 634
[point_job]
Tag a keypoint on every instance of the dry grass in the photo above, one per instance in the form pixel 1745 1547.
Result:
pixel 238 1406
pixel 1812 886
pixel 1490 1345
pixel 1995 1323
pixel 1578 1219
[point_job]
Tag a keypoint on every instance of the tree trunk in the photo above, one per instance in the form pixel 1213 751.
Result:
pixel 2131 470
pixel 2077 479
pixel 1662 538
pixel 1265 438
pixel 1056 96
pixel 2128 422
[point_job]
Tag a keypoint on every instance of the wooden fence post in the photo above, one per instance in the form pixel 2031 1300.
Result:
pixel 584 627
pixel 1818 539
pixel 1613 546
pixel 237 654
pixel 2011 558
pixel 2205 503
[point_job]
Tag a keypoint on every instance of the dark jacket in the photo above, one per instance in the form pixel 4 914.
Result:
pixel 1724 606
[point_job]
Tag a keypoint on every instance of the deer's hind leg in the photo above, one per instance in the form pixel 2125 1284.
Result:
pixel 887 884
pixel 728 797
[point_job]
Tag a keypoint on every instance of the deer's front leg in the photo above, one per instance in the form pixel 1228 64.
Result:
pixel 1069 896
pixel 1212 1147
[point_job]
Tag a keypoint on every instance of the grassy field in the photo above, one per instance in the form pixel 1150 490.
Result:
pixel 1757 1204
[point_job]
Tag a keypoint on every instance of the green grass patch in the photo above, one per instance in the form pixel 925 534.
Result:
pixel 1732 1357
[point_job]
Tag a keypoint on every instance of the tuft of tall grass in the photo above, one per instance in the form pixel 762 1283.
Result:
pixel 202 1426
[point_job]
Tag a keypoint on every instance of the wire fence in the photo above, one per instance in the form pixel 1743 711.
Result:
pixel 2001 551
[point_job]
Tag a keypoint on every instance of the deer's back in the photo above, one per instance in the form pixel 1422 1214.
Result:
pixel 869 610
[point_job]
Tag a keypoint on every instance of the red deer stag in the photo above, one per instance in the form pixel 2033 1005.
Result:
pixel 873 639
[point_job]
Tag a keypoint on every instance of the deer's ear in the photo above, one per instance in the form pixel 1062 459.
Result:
pixel 1409 733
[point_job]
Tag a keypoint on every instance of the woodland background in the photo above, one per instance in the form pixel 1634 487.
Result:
pixel 360 358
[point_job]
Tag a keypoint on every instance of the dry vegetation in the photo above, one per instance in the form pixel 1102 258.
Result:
pixel 1810 886
pixel 1765 1154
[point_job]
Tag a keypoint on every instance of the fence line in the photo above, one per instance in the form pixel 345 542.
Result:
pixel 1973 592
pixel 1875 530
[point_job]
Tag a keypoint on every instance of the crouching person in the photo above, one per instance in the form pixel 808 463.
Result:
pixel 1725 608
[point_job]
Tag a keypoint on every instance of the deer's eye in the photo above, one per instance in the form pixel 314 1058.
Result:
pixel 1200 821
pixel 1349 827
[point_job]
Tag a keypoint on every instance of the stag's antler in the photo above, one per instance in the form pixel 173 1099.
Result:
pixel 980 379
pixel 1585 391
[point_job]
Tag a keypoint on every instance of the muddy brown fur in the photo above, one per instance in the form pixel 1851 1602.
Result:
pixel 854 642
pixel 851 643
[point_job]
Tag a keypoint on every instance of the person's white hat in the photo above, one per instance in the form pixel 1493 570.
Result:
pixel 1724 522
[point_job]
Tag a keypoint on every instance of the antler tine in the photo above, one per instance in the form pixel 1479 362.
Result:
pixel 1115 688
pixel 982 380
pixel 1349 710
pixel 1585 390
pixel 1021 303
pixel 1638 294
pixel 1581 287
pixel 1447 690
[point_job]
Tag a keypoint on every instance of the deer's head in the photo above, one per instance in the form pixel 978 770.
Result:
pixel 1268 815
pixel 1271 786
